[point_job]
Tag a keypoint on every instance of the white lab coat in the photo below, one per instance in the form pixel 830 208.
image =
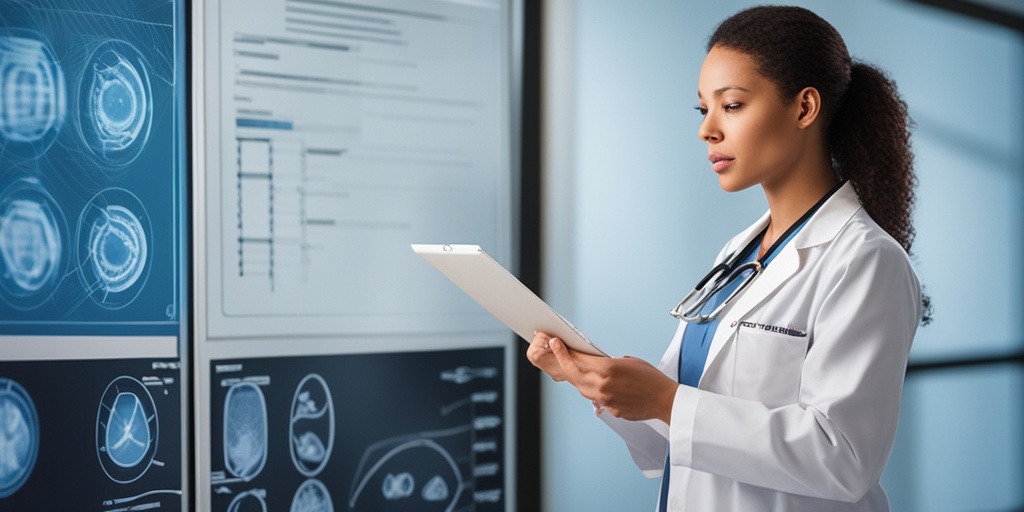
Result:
pixel 783 422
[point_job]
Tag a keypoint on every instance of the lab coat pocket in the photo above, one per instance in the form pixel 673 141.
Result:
pixel 768 366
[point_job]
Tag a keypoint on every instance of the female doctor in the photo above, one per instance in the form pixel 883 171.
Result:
pixel 781 387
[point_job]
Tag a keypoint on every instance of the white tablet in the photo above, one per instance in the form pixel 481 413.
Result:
pixel 501 294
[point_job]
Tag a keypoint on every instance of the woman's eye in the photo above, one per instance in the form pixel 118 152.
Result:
pixel 702 110
pixel 731 107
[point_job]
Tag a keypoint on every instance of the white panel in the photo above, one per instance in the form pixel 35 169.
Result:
pixel 334 134
pixel 347 131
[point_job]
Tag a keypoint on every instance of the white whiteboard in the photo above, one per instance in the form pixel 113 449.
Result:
pixel 338 133
pixel 331 134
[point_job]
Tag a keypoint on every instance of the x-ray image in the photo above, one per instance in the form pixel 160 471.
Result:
pixel 101 435
pixel 116 102
pixel 311 426
pixel 33 234
pixel 410 438
pixel 127 429
pixel 19 436
pixel 249 501
pixel 245 431
pixel 92 166
pixel 113 251
pixel 32 92
pixel 312 496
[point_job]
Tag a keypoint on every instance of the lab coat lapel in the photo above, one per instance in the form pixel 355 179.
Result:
pixel 785 264
pixel 821 228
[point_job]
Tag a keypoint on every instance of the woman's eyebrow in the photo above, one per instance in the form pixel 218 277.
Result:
pixel 722 90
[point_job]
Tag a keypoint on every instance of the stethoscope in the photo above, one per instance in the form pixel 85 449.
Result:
pixel 723 274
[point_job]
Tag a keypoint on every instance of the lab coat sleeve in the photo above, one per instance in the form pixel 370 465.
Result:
pixel 834 442
pixel 647 441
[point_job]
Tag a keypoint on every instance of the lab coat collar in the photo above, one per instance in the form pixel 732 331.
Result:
pixel 821 228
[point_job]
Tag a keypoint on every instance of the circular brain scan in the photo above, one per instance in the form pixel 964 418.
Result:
pixel 249 501
pixel 311 426
pixel 31 244
pixel 312 496
pixel 126 430
pixel 113 248
pixel 19 436
pixel 245 430
pixel 32 95
pixel 115 111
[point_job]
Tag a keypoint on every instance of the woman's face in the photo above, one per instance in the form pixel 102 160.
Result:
pixel 753 136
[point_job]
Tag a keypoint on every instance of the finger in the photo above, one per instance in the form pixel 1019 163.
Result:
pixel 540 339
pixel 565 359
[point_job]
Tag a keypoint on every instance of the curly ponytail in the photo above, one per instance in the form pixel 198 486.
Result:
pixel 870 144
pixel 867 121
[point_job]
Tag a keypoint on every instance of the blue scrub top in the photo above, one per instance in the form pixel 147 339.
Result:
pixel 697 336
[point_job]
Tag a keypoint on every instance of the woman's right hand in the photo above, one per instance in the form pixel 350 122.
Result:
pixel 542 357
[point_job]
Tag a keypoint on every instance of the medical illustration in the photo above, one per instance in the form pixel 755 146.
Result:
pixel 312 496
pixel 400 465
pixel 116 103
pixel 438 470
pixel 465 374
pixel 19 436
pixel 126 444
pixel 31 244
pixel 396 487
pixel 435 490
pixel 126 429
pixel 113 247
pixel 32 95
pixel 311 425
pixel 245 430
pixel 249 501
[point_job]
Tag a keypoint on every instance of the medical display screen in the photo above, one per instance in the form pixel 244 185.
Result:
pixel 410 431
pixel 92 202
pixel 90 435
pixel 91 166
pixel 347 131
pixel 336 370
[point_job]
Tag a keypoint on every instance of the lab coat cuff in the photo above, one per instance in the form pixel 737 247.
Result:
pixel 644 439
pixel 684 412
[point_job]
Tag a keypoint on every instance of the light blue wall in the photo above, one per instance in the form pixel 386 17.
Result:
pixel 643 217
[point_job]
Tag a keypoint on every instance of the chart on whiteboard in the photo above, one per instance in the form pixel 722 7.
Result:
pixel 348 131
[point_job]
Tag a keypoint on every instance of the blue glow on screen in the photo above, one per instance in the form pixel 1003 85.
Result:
pixel 92 166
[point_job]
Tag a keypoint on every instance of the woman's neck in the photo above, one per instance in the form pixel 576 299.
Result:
pixel 790 199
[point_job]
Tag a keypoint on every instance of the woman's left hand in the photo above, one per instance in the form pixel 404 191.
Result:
pixel 626 387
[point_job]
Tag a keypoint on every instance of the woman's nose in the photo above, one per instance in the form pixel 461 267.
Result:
pixel 707 131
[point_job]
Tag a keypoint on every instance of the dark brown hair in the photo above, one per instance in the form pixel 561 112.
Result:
pixel 867 121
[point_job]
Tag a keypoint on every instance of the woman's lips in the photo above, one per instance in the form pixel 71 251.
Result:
pixel 719 161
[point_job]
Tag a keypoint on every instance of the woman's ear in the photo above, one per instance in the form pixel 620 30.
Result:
pixel 809 101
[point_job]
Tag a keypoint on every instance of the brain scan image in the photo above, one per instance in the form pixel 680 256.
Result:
pixel 32 95
pixel 116 103
pixel 31 232
pixel 312 496
pixel 19 436
pixel 126 429
pixel 410 473
pixel 249 501
pixel 245 430
pixel 435 490
pixel 311 425
pixel 127 443
pixel 396 487
pixel 113 248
